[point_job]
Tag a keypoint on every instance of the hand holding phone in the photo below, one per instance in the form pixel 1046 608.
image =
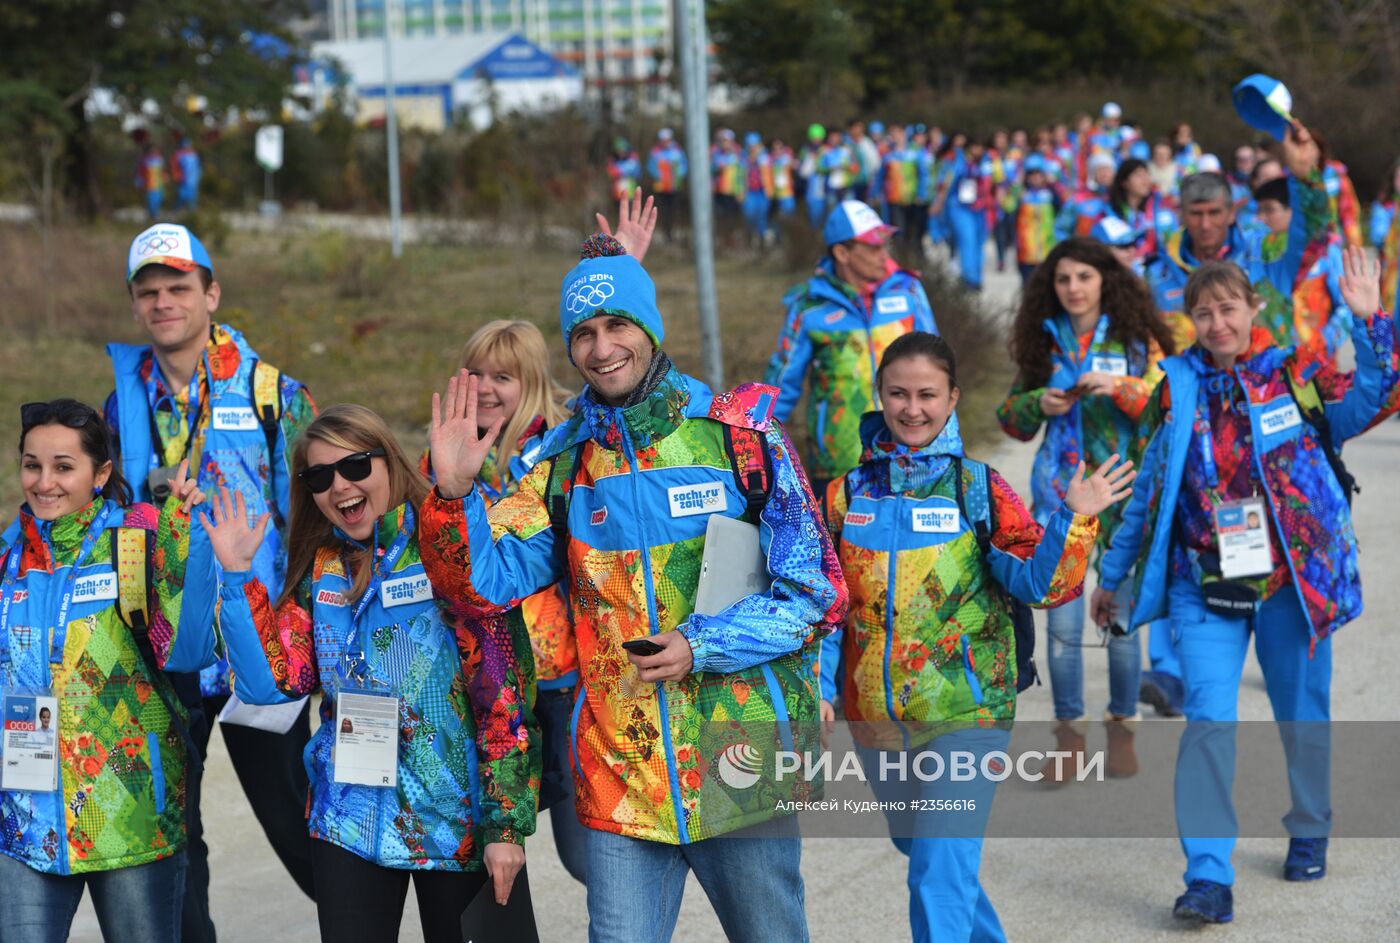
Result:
pixel 642 647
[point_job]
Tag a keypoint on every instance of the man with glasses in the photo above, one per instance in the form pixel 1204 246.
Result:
pixel 839 323
pixel 198 391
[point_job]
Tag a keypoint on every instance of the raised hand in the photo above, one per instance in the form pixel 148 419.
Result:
pixel 1300 151
pixel 1107 486
pixel 459 448
pixel 234 540
pixel 1361 282
pixel 635 224
pixel 186 488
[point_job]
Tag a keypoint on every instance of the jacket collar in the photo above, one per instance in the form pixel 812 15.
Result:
pixel 63 536
pixel 675 399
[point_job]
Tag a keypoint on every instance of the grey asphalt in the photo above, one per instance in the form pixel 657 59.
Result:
pixel 1044 889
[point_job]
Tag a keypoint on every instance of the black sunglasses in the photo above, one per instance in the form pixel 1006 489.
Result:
pixel 68 412
pixel 355 467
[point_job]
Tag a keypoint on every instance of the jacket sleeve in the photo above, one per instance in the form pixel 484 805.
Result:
pixel 1020 414
pixel 1373 390
pixel 183 589
pixel 272 652
pixel 787 368
pixel 923 312
pixel 1380 222
pixel 829 659
pixel 1132 394
pixel 484 565
pixel 807 597
pixel 1312 222
pixel 1043 568
pixel 499 669
pixel 1126 542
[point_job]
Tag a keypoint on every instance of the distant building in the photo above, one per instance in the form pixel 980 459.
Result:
pixel 611 42
pixel 439 80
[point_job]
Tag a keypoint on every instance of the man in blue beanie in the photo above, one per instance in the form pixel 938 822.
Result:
pixel 618 507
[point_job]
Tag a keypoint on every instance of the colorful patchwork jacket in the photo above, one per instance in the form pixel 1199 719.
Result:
pixel 544 616
pixel 1096 426
pixel 836 337
pixel 929 638
pixel 1342 201
pixel 1307 509
pixel 121 759
pixel 1307 234
pixel 1321 318
pixel 646 480
pixel 666 166
pixel 1035 224
pixel 469 755
pixel 1390 261
pixel 230 446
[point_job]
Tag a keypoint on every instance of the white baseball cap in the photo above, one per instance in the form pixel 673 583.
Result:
pixel 1112 110
pixel 167 244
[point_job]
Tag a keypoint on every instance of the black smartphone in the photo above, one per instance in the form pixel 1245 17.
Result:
pixel 642 646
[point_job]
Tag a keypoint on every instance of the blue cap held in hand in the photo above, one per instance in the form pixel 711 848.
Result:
pixel 1265 104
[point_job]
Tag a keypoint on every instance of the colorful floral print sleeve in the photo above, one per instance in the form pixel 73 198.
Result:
pixel 1096 426
pixel 122 762
pixel 929 639
pixel 644 483
pixel 469 762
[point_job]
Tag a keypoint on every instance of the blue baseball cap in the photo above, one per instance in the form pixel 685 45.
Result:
pixel 1034 162
pixel 1265 104
pixel 610 284
pixel 753 139
pixel 1112 231
pixel 853 219
pixel 1140 150
pixel 168 244
pixel 877 127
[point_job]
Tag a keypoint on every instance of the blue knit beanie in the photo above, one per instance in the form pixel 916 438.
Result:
pixel 608 281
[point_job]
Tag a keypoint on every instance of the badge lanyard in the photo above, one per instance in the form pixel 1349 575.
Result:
pixel 60 632
pixel 200 396
pixel 353 663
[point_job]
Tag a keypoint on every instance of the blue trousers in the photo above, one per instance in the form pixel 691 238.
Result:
pixel 1160 651
pixel 1064 627
pixel 753 879
pixel 137 903
pixel 756 212
pixel 969 233
pixel 1212 650
pixel 816 212
pixel 947 903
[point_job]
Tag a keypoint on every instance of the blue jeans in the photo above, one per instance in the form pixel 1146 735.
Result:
pixel 752 877
pixel 552 709
pixel 137 903
pixel 1065 629
pixel 970 233
pixel 1212 649
pixel 946 899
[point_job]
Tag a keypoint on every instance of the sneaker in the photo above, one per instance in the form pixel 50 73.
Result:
pixel 1205 902
pixel 1163 692
pixel 1307 859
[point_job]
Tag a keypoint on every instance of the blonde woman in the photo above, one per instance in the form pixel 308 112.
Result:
pixel 451 798
pixel 514 387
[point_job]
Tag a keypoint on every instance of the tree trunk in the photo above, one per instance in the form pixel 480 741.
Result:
pixel 82 186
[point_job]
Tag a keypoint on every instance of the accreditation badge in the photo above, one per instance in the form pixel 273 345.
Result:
pixel 366 737
pixel 29 743
pixel 1242 535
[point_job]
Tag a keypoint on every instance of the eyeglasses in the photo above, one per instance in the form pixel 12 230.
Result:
pixel 67 412
pixel 356 467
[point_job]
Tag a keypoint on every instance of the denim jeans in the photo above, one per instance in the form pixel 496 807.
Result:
pixel 552 709
pixel 752 877
pixel 140 903
pixel 1065 630
pixel 946 897
pixel 1212 649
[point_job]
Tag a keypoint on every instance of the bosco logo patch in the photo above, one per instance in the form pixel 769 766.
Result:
pixel 329 597
pixel 936 520
pixel 21 595
pixel 96 587
pixel 598 516
pixel 857 518
pixel 688 500
pixel 237 418
pixel 409 589
pixel 834 316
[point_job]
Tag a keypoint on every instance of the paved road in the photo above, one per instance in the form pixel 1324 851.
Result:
pixel 1044 889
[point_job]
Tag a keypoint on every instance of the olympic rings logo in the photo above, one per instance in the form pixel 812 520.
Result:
pixel 159 243
pixel 589 296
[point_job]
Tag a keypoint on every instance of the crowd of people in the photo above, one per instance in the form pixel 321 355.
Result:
pixel 513 622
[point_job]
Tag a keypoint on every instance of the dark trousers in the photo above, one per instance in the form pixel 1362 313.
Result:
pixel 270 770
pixel 358 901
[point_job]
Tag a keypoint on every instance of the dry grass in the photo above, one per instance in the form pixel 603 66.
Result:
pixel 357 325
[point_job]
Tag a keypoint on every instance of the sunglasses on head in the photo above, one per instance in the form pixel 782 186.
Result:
pixel 356 467
pixel 69 413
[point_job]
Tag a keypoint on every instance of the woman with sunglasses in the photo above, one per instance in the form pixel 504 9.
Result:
pixel 427 759
pixel 511 363
pixel 100 597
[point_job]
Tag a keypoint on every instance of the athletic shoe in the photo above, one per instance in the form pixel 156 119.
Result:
pixel 1307 859
pixel 1164 692
pixel 1205 902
